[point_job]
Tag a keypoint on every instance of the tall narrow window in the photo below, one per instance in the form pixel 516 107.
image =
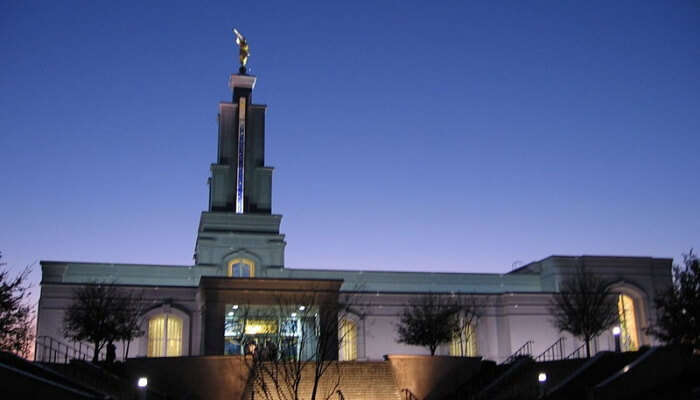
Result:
pixel 241 268
pixel 348 340
pixel 628 323
pixel 173 337
pixel 464 343
pixel 156 336
pixel 165 336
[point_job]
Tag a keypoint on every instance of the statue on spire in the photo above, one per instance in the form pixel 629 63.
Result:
pixel 243 51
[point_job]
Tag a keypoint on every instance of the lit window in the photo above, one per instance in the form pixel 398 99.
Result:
pixel 464 343
pixel 241 268
pixel 260 327
pixel 628 323
pixel 165 336
pixel 348 340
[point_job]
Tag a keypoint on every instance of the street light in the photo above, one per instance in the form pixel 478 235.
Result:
pixel 616 334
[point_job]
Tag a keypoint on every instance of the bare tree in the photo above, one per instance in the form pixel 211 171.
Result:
pixel 102 314
pixel 678 307
pixel 467 315
pixel 302 349
pixel 15 314
pixel 129 319
pixel 429 322
pixel 584 307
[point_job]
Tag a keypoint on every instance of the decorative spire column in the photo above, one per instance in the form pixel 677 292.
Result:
pixel 242 86
pixel 239 223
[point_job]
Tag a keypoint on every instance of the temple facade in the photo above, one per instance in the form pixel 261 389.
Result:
pixel 220 304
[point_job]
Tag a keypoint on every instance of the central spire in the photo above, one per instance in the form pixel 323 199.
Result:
pixel 239 223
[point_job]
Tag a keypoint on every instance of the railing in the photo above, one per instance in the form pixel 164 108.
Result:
pixel 407 395
pixel 580 352
pixel 49 350
pixel 524 350
pixel 553 352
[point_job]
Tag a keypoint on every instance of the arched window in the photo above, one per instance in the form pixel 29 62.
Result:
pixel 348 340
pixel 628 323
pixel 241 268
pixel 165 336
pixel 464 344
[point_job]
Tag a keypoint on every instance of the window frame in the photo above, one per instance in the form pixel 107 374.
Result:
pixel 176 311
pixel 166 338
pixel 351 353
pixel 465 346
pixel 240 260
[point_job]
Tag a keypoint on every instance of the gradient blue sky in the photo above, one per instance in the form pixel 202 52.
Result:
pixel 431 136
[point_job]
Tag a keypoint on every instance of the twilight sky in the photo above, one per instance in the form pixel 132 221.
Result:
pixel 430 136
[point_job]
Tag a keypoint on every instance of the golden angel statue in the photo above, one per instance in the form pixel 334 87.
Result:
pixel 243 52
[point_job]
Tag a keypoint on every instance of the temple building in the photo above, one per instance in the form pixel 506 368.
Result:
pixel 218 305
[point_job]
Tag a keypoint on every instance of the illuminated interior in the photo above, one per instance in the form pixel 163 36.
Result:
pixel 249 329
pixel 348 340
pixel 464 344
pixel 628 323
pixel 260 326
pixel 164 336
pixel 241 268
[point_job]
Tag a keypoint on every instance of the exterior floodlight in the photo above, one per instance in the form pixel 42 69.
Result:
pixel 294 315
pixel 235 306
pixel 143 382
pixel 302 308
pixel 616 331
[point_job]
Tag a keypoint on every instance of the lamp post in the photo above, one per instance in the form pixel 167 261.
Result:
pixel 616 334
pixel 541 380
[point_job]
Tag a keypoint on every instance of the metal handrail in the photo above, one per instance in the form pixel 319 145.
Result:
pixel 524 350
pixel 578 353
pixel 553 352
pixel 49 350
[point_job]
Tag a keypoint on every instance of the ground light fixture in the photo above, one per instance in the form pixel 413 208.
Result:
pixel 616 334
pixel 142 382
pixel 542 377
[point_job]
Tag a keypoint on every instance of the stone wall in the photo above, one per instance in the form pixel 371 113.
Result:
pixel 208 377
pixel 345 380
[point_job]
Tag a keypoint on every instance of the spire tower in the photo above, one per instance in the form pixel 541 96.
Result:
pixel 239 223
